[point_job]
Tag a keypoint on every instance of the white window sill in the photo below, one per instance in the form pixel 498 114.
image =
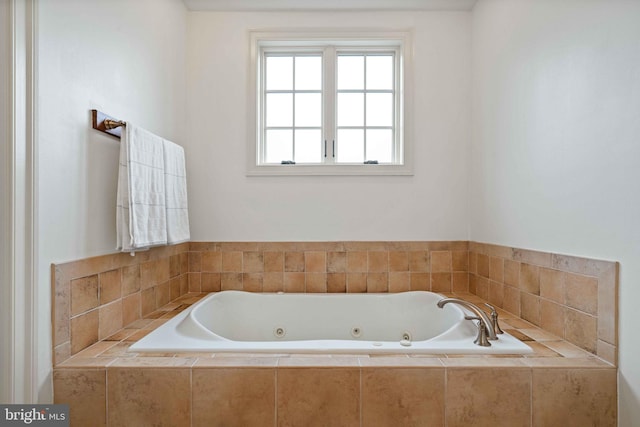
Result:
pixel 329 170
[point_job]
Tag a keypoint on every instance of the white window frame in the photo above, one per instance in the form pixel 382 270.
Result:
pixel 330 41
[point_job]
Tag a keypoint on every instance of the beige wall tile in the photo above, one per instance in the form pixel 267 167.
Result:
pixel 184 263
pixel 130 308
pixel 130 279
pixel 530 308
pixel 483 265
pixel 147 301
pixel 252 282
pixel 194 281
pixel 336 262
pixel 110 319
pixel 273 282
pixel 460 260
pixel 356 262
pixel 174 265
pixel 418 261
pixel 356 282
pixel 211 261
pixel 163 294
pixel 552 317
pixel 84 390
pixel 580 329
pixel 473 283
pixel 84 330
pixel 147 278
pixel 488 397
pixel 234 397
pixel 441 282
pixel 496 293
pixel 84 294
pixel 318 397
pixel 378 261
pixel 337 282
pixel 574 397
pixel 542 259
pixel 530 278
pixel 482 287
pixel 294 261
pixel 174 288
pixel 398 261
pixel 403 397
pixel 460 282
pixel 496 269
pixel 209 282
pixel 511 272
pixel 399 281
pixel 315 262
pixel 581 292
pixel 273 262
pixel 607 352
pixel 608 305
pixel 232 262
pixel 110 286
pixel 231 281
pixel 473 262
pixel 511 301
pixel 252 262
pixel 194 260
pixel 294 282
pixel 139 397
pixel 184 283
pixel 420 281
pixel 441 262
pixel 161 270
pixel 61 307
pixel 378 282
pixel 316 282
pixel 552 284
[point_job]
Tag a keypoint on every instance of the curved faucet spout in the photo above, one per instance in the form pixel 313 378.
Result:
pixel 476 310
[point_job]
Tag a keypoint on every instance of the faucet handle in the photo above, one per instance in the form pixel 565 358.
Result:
pixel 481 339
pixel 494 318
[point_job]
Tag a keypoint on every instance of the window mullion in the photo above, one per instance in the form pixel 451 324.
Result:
pixel 330 102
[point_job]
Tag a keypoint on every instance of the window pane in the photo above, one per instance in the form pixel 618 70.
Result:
pixel 308 146
pixel 308 109
pixel 279 110
pixel 380 145
pixel 350 109
pixel 279 72
pixel 308 72
pixel 350 146
pixel 350 72
pixel 279 146
pixel 380 72
pixel 379 109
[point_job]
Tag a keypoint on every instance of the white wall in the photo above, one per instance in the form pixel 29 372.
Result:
pixel 124 58
pixel 225 205
pixel 556 107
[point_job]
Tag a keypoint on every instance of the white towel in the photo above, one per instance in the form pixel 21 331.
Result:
pixel 175 183
pixel 141 214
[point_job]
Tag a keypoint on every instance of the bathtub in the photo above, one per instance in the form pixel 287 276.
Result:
pixel 407 322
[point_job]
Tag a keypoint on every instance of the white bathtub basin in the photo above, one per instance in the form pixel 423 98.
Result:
pixel 408 322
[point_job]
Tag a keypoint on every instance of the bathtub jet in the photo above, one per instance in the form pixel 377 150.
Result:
pixel 407 322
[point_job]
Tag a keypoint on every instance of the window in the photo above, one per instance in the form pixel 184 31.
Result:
pixel 329 104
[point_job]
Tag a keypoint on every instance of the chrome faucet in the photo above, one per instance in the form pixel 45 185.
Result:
pixel 482 317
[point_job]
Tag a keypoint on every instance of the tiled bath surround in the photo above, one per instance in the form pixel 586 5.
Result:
pixel 573 298
pixel 104 304
pixel 559 384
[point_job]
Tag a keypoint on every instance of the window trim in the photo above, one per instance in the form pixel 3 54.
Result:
pixel 399 40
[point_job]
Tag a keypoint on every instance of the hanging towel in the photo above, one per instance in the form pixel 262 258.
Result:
pixel 175 184
pixel 141 217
